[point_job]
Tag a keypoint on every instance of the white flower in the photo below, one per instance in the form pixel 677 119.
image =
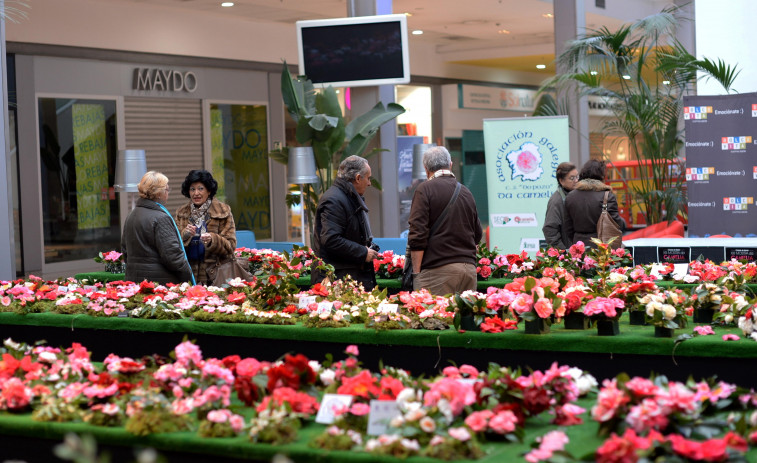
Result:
pixel 729 318
pixel 411 444
pixel 668 311
pixel 327 377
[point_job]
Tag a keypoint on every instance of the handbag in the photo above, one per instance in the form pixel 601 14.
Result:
pixel 224 271
pixel 607 229
pixel 407 270
pixel 196 248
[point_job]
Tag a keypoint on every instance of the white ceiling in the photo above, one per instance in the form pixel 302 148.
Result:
pixel 461 30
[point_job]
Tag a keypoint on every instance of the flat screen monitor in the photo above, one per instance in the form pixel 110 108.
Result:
pixel 354 52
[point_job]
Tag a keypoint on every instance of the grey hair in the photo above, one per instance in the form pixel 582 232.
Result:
pixel 436 158
pixel 351 167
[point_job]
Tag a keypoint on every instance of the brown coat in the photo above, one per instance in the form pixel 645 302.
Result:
pixel 583 207
pixel 223 236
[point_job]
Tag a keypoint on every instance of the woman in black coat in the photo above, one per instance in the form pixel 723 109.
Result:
pixel 150 241
pixel 583 205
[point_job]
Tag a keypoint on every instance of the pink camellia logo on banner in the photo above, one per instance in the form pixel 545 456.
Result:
pixel 526 162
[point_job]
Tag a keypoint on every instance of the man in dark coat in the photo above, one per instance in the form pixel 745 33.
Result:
pixel 342 234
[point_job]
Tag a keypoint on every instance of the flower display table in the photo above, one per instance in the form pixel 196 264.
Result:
pixel 635 350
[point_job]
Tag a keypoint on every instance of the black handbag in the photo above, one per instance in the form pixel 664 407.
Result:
pixel 407 270
pixel 195 249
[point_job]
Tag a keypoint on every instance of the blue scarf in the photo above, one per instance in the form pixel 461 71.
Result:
pixel 191 274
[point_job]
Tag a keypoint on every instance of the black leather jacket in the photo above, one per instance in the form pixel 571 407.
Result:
pixel 151 246
pixel 341 233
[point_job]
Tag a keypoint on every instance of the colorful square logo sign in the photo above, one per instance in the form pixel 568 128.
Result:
pixel 754 172
pixel 699 173
pixel 754 110
pixel 737 203
pixel 696 112
pixel 734 143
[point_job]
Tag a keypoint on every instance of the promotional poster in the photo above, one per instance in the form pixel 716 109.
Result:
pixel 521 157
pixel 721 164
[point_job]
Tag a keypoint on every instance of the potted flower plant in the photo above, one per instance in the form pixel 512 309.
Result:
pixel 113 260
pixel 667 311
pixel 605 311
pixel 537 302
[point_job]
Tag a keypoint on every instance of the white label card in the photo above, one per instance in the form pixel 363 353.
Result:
pixel 328 404
pixel 305 301
pixel 388 308
pixel 325 307
pixel 382 412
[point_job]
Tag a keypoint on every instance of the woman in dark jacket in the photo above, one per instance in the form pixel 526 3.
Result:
pixel 208 221
pixel 150 242
pixel 553 229
pixel 583 205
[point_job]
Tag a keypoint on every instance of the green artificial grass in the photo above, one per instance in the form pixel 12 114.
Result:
pixel 631 340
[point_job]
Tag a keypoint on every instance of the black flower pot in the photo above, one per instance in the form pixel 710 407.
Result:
pixel 607 328
pixel 468 323
pixel 538 326
pixel 662 332
pixel 703 315
pixel 576 321
pixel 637 317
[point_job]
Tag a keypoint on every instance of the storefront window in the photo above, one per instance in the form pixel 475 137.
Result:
pixel 239 145
pixel 78 154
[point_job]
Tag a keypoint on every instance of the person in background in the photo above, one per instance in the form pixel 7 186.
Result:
pixel 150 242
pixel 205 223
pixel 342 235
pixel 583 205
pixel 553 229
pixel 444 263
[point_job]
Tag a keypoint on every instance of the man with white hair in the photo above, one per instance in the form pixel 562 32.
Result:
pixel 444 262
pixel 342 235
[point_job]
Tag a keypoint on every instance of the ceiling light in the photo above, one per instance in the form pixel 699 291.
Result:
pixel 417 32
pixel 665 82
pixel 548 15
pixel 541 66
pixel 594 73
pixel 503 31
pixel 627 77
pixel 227 4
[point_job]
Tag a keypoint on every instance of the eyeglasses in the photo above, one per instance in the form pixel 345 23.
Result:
pixel 573 178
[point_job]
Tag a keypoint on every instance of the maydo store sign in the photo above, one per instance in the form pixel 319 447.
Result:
pixel 164 80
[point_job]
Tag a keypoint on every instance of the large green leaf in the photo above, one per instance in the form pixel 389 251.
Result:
pixel 321 122
pixel 367 124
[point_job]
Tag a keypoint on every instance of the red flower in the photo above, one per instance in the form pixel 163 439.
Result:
pixel 497 325
pixel 617 450
pixel 15 395
pixel 270 302
pixel 390 388
pixel 293 372
pixel 291 308
pixel 146 287
pixel 247 390
pixel 272 279
pixel 361 385
pixel 319 290
pixel 236 298
pixel 8 366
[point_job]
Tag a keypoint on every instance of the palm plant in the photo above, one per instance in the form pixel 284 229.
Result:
pixel 320 124
pixel 642 72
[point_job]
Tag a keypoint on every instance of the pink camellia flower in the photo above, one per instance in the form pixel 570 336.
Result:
pixel 218 416
pixel 642 387
pixel 451 372
pixel 522 303
pixel 577 250
pixel 352 350
pixel 236 422
pixel 503 422
pixel 730 337
pixel 553 252
pixel 469 370
pixel 609 401
pixel 485 271
pixel 187 351
pixel 460 434
pixel 479 421
pixel 551 442
pixel 647 415
pixel 360 409
pixel 543 308
pixel 248 367
pixel 704 330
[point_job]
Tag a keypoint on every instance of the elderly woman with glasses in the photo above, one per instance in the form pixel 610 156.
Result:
pixel 150 242
pixel 206 224
pixel 553 229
